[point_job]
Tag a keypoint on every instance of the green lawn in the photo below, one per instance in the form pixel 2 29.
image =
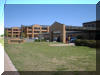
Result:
pixel 39 56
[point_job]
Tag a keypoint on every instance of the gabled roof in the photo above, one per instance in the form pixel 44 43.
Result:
pixel 57 23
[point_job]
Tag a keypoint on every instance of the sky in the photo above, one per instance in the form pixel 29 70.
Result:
pixel 68 14
pixel 2 2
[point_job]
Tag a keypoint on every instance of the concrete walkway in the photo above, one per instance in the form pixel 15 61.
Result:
pixel 8 66
pixel 1 59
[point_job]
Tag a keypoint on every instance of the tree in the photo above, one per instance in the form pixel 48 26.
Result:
pixel 5 33
pixel 2 35
pixel 23 35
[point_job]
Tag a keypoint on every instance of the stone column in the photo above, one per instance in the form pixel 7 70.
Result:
pixel 32 31
pixel 64 34
pixel 12 32
pixel 27 32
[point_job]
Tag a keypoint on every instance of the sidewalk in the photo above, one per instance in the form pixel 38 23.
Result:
pixel 8 66
pixel 1 59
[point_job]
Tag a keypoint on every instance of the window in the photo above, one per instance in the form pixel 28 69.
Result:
pixel 36 27
pixel 29 31
pixel 15 29
pixel 9 32
pixel 9 29
pixel 36 31
pixel 44 28
pixel 44 32
pixel 9 35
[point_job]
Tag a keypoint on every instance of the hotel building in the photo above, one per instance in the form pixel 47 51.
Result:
pixel 30 32
pixel 13 32
pixel 56 31
pixel 35 31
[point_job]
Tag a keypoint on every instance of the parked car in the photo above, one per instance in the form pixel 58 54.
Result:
pixel 72 40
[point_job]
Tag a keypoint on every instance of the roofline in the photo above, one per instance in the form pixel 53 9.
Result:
pixel 91 22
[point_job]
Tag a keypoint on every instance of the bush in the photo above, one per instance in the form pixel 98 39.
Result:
pixel 92 43
pixel 89 43
pixel 38 40
pixel 43 40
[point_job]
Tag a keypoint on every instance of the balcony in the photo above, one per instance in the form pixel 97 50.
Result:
pixel 16 31
pixel 29 29
pixel 44 30
pixel 36 28
pixel 9 31
pixel 28 33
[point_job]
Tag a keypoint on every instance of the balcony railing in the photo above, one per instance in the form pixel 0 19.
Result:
pixel 29 29
pixel 79 28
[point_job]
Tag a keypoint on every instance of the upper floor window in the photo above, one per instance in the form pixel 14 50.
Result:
pixel 36 27
pixel 9 29
pixel 29 27
pixel 36 31
pixel 44 28
pixel 44 32
pixel 9 32
pixel 15 29
pixel 29 31
pixel 15 32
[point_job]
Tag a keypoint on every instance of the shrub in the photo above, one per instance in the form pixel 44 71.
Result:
pixel 92 43
pixel 43 40
pixel 89 43
pixel 38 40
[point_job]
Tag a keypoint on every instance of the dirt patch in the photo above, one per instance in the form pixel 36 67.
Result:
pixel 76 58
pixel 71 44
pixel 54 60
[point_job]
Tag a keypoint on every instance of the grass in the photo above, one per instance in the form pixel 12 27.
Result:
pixel 39 56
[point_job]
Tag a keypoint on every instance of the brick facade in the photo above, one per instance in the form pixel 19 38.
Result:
pixel 28 31
pixel 55 32
pixel 13 32
pixel 58 32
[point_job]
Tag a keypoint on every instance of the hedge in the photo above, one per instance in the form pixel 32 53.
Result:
pixel 89 43
pixel 38 40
